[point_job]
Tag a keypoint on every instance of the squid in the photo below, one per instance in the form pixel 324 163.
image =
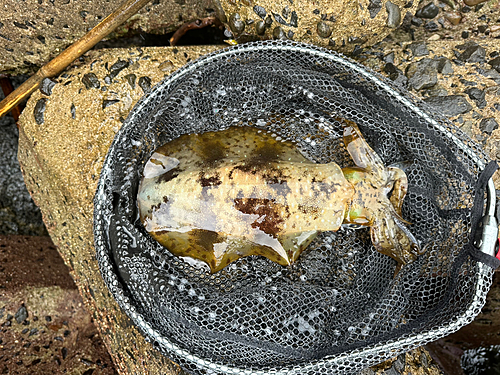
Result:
pixel 220 196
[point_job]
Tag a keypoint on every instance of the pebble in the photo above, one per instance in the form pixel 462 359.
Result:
pixel 21 314
pixel 431 26
pixel 488 125
pixel 323 29
pixel 495 63
pixel 473 2
pixel 418 49
pixel 279 33
pixel 395 74
pixel 429 11
pixel 90 80
pixel 131 80
pixel 374 6
pixel 236 24
pixel 454 17
pixel 117 67
pixel 436 90
pixel 260 27
pixel 451 105
pixel 422 74
pixel 444 66
pixel 260 11
pixel 294 19
pixel 72 110
pixel 465 34
pixel 279 19
pixel 39 111
pixel 472 53
pixel 145 83
pixel 393 15
pixel 46 86
pixel 477 95
pixel 434 37
pixel 107 103
pixel 389 58
pixel 417 21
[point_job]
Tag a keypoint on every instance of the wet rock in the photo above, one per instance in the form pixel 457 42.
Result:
pixel 422 74
pixel 21 314
pixel 429 11
pixel 374 6
pixel 323 29
pixel 488 125
pixel 279 33
pixel 393 15
pixel 495 63
pixel 39 110
pixel 418 49
pixel 90 80
pixel 454 17
pixel 117 67
pixel 478 96
pixel 451 105
pixel 260 27
pixel 260 11
pixel 472 52
pixel 46 86
pixel 431 26
pixel 236 24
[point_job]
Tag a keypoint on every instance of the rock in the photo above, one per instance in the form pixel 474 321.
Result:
pixel 236 24
pixel 431 26
pixel 477 95
pixel 418 49
pixel 117 67
pixel 90 81
pixel 451 105
pixel 47 85
pixel 389 58
pixel 495 63
pixel 472 53
pixel 323 29
pixel 444 66
pixel 422 74
pixel 393 15
pixel 39 111
pixel 21 314
pixel 395 74
pixel 436 90
pixel 488 125
pixel 325 23
pixel 454 17
pixel 473 2
pixel 429 11
pixel 279 33
pixel 417 21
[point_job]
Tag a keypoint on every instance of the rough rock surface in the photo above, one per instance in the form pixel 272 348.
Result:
pixel 34 31
pixel 342 25
pixel 43 326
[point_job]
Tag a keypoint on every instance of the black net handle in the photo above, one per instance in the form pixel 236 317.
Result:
pixel 477 216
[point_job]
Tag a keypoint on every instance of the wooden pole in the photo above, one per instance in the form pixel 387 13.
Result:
pixel 59 63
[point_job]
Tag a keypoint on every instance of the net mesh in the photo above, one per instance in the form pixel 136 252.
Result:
pixel 339 308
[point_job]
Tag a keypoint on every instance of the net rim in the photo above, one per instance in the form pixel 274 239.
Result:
pixel 116 289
